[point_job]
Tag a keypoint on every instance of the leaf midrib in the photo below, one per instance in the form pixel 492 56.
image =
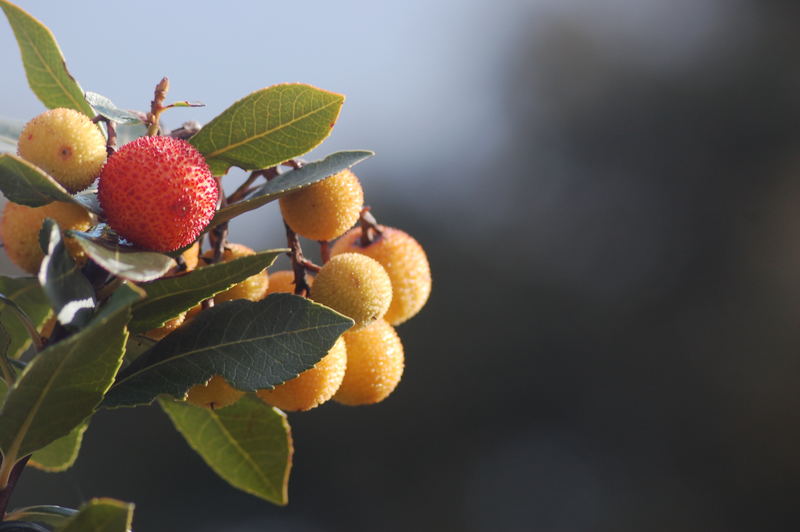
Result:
pixel 251 138
pixel 217 346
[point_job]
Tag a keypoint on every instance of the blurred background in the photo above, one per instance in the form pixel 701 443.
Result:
pixel 607 191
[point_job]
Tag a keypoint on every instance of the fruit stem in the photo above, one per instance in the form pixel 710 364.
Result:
pixel 8 481
pixel 325 251
pixel 157 106
pixel 244 189
pixel 370 230
pixel 299 263
pixel 111 143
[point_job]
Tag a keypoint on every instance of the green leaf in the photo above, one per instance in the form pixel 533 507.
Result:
pixel 166 298
pixel 138 266
pixel 24 183
pixel 249 444
pixel 44 64
pixel 290 181
pixel 3 391
pixel 10 131
pixel 101 515
pixel 28 294
pixel 105 107
pixel 136 346
pixel 49 515
pixel 268 127
pixel 254 345
pixel 63 385
pixel 88 200
pixel 69 292
pixel 128 132
pixel 61 454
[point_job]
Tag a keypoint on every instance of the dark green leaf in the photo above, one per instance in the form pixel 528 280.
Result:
pixel 61 454
pixel 290 181
pixel 101 515
pixel 3 391
pixel 10 131
pixel 63 385
pixel 24 183
pixel 166 298
pixel 137 344
pixel 138 266
pixel 268 127
pixel 45 514
pixel 28 294
pixel 253 345
pixel 69 292
pixel 105 107
pixel 249 444
pixel 44 64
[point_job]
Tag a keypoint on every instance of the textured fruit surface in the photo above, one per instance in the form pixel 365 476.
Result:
pixel 65 144
pixel 312 387
pixel 403 259
pixel 355 285
pixel 374 365
pixel 158 193
pixel 282 282
pixel 253 288
pixel 168 327
pixel 326 209
pixel 216 393
pixel 20 228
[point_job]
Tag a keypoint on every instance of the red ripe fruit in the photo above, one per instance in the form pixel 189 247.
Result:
pixel 158 193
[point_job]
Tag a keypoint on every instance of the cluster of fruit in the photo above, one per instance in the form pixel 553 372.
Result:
pixel 158 194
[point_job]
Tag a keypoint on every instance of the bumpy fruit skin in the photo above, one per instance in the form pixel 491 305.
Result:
pixel 312 387
pixel 215 394
pixel 355 285
pixel 254 288
pixel 326 209
pixel 282 282
pixel 374 365
pixel 65 144
pixel 158 193
pixel 403 259
pixel 20 228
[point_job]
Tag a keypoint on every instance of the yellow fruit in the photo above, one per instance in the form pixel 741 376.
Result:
pixel 403 259
pixel 20 228
pixel 254 288
pixel 214 394
pixel 374 365
pixel 312 387
pixel 168 327
pixel 282 282
pixel 355 285
pixel 326 209
pixel 65 144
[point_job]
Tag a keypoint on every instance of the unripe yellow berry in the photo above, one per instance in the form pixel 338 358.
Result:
pixel 326 209
pixel 355 285
pixel 168 327
pixel 312 387
pixel 65 144
pixel 374 365
pixel 282 282
pixel 403 259
pixel 21 224
pixel 214 394
pixel 254 288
